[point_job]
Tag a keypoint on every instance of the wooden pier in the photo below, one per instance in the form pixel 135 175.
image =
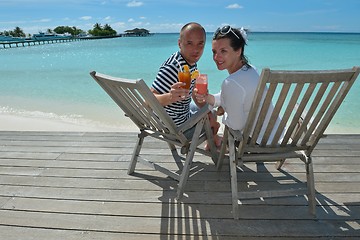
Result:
pixel 74 185
pixel 13 44
pixel 33 42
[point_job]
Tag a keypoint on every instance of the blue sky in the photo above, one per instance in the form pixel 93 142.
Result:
pixel 169 15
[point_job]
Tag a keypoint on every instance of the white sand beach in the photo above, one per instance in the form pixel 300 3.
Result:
pixel 9 122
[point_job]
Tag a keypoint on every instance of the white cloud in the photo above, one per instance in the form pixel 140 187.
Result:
pixel 107 18
pixel 142 17
pixel 131 20
pixel 134 4
pixel 167 27
pixel 119 26
pixel 43 20
pixel 137 24
pixel 234 6
pixel 86 18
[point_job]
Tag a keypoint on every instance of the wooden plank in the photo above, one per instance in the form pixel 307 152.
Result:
pixel 157 195
pixel 195 176
pixel 122 163
pixel 16 233
pixel 4 200
pixel 177 226
pixel 136 183
pixel 172 209
pixel 12 232
pixel 19 232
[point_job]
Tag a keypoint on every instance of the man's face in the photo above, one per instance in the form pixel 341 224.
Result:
pixel 191 44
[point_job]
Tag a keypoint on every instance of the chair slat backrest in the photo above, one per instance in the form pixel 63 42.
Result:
pixel 138 103
pixel 307 97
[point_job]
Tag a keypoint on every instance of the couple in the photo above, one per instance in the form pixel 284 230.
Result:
pixel 237 89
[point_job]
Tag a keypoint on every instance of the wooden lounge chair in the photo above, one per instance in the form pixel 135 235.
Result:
pixel 140 105
pixel 305 101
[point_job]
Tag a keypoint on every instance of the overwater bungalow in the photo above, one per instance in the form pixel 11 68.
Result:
pixel 137 32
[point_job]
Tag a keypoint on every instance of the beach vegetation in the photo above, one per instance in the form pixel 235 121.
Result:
pixel 67 29
pixel 17 32
pixel 97 31
pixel 105 30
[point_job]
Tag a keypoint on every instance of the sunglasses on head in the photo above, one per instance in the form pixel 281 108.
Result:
pixel 225 30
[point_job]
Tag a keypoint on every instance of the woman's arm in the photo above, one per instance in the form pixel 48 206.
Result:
pixel 232 99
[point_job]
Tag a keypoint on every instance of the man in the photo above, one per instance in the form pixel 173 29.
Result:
pixel 166 87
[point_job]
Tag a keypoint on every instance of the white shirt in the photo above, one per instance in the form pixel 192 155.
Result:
pixel 236 97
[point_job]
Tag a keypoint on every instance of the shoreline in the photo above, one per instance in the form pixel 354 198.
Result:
pixel 11 122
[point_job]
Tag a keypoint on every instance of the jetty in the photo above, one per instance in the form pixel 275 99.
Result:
pixel 74 185
pixel 34 42
pixel 12 44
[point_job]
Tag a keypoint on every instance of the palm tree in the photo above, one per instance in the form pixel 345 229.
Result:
pixel 97 26
pixel 107 27
pixel 18 32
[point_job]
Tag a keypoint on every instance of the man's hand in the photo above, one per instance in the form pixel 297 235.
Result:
pixel 177 93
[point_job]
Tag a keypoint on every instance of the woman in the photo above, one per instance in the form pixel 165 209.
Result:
pixel 238 89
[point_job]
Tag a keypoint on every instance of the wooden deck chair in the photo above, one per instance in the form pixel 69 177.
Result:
pixel 140 105
pixel 310 98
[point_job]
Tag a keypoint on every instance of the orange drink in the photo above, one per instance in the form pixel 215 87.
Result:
pixel 185 77
pixel 202 84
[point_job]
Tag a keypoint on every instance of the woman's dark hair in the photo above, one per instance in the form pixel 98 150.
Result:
pixel 236 40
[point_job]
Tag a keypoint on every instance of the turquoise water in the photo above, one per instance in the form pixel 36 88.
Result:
pixel 53 80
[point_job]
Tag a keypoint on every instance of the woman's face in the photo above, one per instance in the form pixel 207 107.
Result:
pixel 224 55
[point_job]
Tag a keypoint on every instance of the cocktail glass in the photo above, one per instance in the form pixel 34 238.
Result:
pixel 185 77
pixel 202 84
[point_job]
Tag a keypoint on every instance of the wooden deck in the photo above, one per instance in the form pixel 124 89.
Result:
pixel 69 185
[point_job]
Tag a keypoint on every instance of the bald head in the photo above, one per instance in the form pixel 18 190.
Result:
pixel 191 42
pixel 190 27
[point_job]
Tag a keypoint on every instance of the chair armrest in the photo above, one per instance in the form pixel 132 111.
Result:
pixel 194 119
pixel 237 134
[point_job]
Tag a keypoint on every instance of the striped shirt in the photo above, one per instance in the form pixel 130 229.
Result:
pixel 166 77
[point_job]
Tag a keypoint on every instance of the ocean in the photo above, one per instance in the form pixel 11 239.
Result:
pixel 52 81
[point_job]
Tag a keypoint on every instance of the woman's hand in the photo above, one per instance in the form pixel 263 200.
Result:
pixel 200 98
pixel 220 111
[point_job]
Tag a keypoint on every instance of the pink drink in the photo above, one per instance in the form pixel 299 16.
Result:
pixel 202 84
